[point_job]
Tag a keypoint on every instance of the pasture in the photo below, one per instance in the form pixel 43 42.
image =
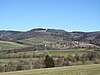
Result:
pixel 10 45
pixel 93 69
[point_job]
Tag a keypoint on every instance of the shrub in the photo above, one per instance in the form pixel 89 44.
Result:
pixel 92 56
pixel 19 67
pixel 49 62
pixel 71 58
pixel 77 57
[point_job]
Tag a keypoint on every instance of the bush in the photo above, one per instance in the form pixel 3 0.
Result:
pixel 71 58
pixel 49 62
pixel 77 57
pixel 92 56
pixel 11 66
pixel 19 67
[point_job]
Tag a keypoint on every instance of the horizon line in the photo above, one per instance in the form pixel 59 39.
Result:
pixel 48 28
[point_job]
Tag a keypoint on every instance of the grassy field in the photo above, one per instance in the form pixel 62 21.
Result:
pixel 9 45
pixel 69 70
pixel 41 40
pixel 45 52
pixel 53 52
pixel 60 52
pixel 68 52
pixel 79 69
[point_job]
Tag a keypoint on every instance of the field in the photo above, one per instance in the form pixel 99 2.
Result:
pixel 43 52
pixel 75 68
pixel 65 52
pixel 41 40
pixel 69 70
pixel 68 52
pixel 10 45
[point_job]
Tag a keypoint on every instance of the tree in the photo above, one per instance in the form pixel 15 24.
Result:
pixel 1 68
pixel 71 58
pixel 19 67
pixel 92 56
pixel 49 62
pixel 77 57
pixel 11 66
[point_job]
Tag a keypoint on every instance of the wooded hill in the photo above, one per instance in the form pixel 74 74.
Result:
pixel 54 38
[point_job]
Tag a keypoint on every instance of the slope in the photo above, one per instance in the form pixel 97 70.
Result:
pixel 10 45
pixel 69 70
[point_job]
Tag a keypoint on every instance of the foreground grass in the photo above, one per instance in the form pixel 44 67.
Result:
pixel 69 70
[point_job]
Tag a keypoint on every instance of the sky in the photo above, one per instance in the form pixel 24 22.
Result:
pixel 70 15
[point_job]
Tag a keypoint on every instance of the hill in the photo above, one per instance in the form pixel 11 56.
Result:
pixel 69 70
pixel 10 45
pixel 89 37
pixel 53 38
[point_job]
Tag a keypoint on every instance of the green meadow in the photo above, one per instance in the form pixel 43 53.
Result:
pixel 10 45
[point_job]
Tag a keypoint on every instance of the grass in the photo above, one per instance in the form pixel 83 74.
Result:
pixel 41 40
pixel 6 61
pixel 90 38
pixel 15 60
pixel 10 45
pixel 44 52
pixel 51 52
pixel 67 52
pixel 93 69
pixel 61 52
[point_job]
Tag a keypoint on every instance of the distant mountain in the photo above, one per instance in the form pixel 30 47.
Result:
pixel 53 37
